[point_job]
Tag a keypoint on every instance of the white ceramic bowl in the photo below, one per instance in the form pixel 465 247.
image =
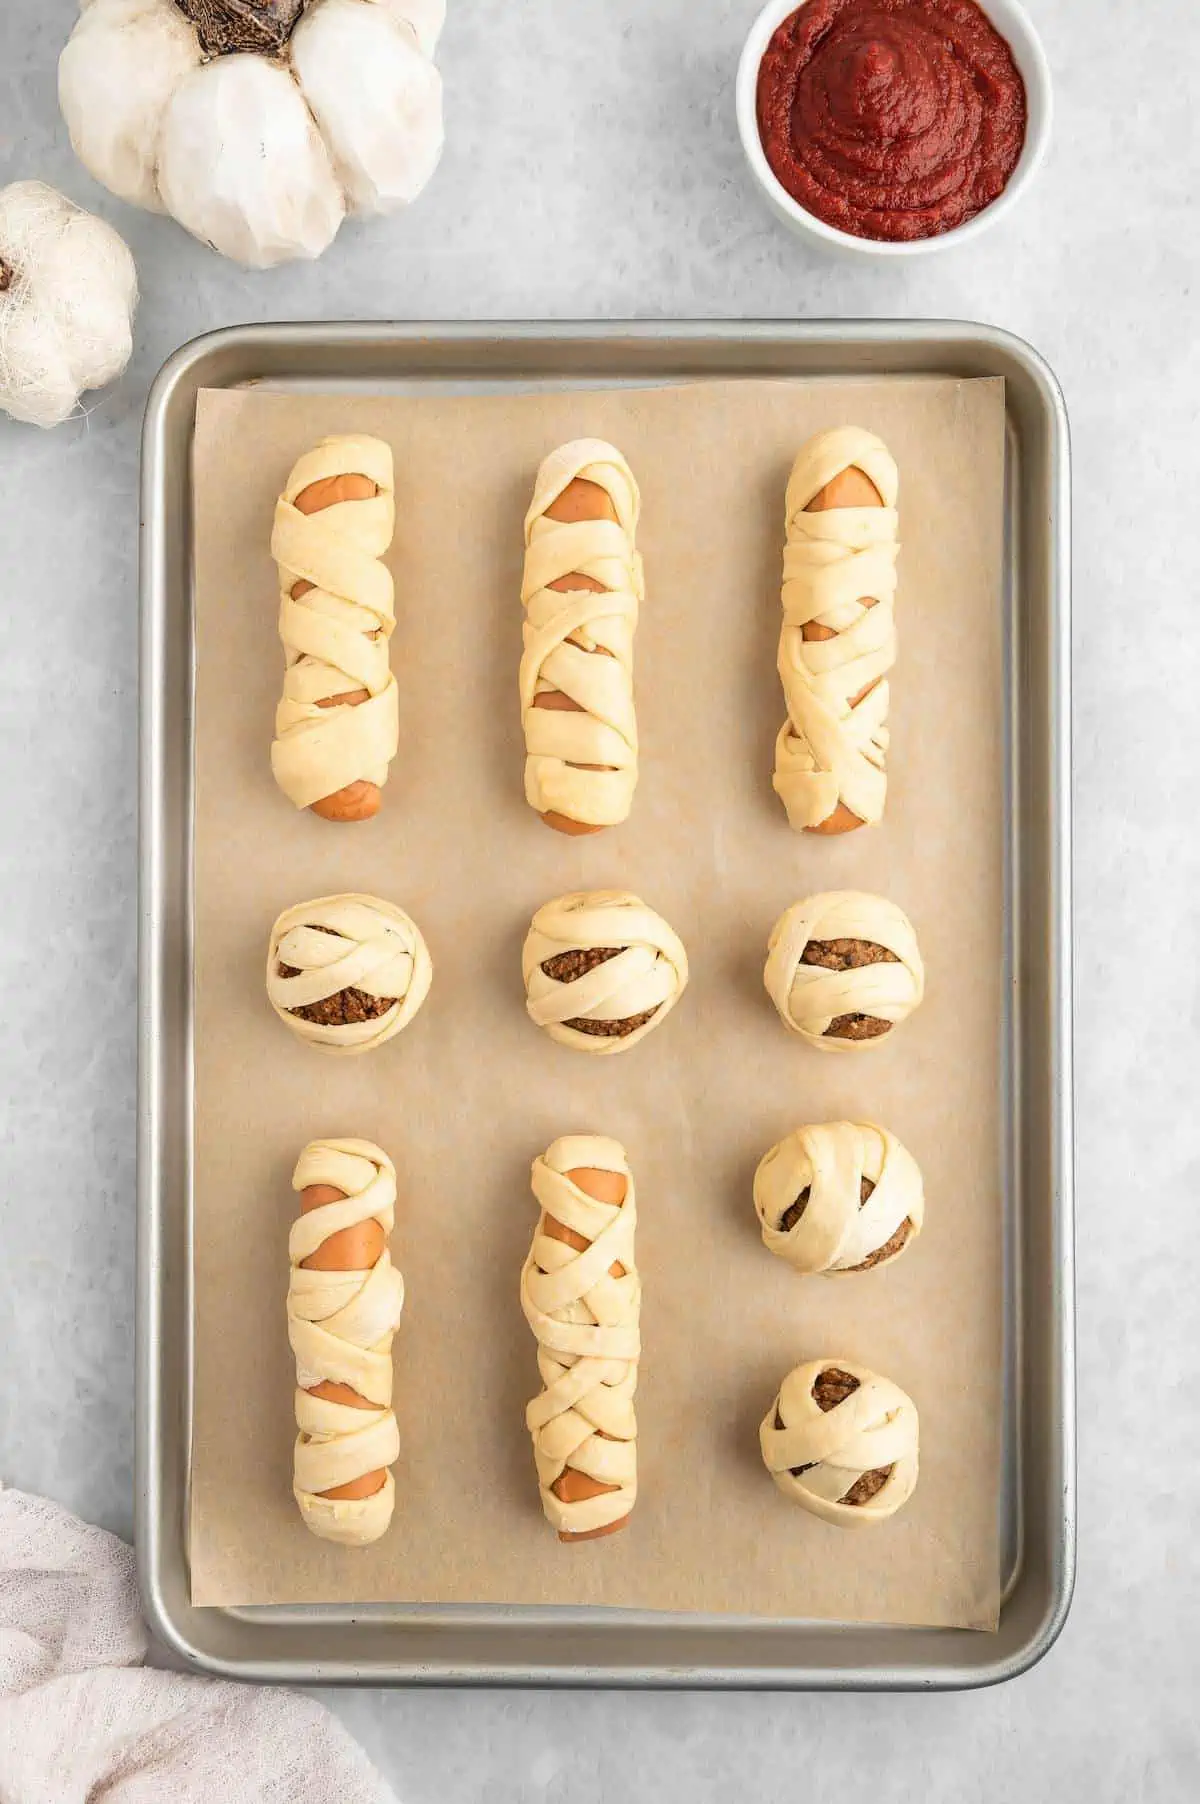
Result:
pixel 1012 22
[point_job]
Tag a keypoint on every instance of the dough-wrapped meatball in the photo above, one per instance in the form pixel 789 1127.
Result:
pixel 842 1442
pixel 842 1196
pixel 843 968
pixel 347 972
pixel 601 970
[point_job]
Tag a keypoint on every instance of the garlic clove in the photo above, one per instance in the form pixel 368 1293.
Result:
pixel 120 66
pixel 376 97
pixel 242 165
pixel 424 18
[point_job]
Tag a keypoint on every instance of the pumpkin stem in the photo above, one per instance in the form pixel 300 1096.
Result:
pixel 7 272
pixel 225 27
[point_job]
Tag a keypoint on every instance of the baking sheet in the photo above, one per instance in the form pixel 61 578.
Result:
pixel 466 1098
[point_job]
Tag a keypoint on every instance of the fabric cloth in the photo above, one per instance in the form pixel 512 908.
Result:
pixel 81 1718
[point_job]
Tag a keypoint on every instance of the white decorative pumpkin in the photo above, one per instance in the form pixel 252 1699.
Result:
pixel 257 124
pixel 68 289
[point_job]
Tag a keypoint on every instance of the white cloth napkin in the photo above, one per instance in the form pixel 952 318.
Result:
pixel 81 1719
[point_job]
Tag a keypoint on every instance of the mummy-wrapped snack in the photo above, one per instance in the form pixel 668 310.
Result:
pixel 581 1295
pixel 581 590
pixel 843 968
pixel 347 973
pixel 601 970
pixel 842 1442
pixel 842 1196
pixel 337 725
pixel 343 1307
pixel 838 639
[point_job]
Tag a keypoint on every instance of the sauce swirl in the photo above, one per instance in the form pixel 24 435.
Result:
pixel 891 119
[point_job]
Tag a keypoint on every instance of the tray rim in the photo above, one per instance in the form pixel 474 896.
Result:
pixel 175 386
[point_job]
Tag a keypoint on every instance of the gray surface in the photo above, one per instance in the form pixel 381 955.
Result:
pixel 593 168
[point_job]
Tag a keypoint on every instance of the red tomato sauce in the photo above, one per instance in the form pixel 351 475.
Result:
pixel 891 119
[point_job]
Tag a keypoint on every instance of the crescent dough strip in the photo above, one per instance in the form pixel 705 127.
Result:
pixel 833 745
pixel 335 635
pixel 601 1007
pixel 842 1196
pixel 363 957
pixel 587 1327
pixel 812 999
pixel 853 1461
pixel 340 1326
pixel 580 642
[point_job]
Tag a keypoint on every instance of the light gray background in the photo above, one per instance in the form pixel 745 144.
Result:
pixel 593 169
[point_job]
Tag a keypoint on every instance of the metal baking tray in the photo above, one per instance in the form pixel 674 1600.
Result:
pixel 459 1645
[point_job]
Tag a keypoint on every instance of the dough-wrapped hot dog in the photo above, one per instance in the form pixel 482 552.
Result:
pixel 581 1295
pixel 842 1196
pixel 581 590
pixel 842 1442
pixel 337 725
pixel 601 970
pixel 347 973
pixel 839 631
pixel 843 968
pixel 344 1303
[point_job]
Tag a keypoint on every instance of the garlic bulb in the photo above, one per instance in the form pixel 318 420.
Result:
pixel 242 165
pixel 257 124
pixel 68 290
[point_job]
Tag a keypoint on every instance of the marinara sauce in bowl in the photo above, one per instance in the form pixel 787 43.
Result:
pixel 893 127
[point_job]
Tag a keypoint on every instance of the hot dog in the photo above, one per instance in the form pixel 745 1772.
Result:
pixel 344 1303
pixel 337 725
pixel 838 638
pixel 581 589
pixel 584 1307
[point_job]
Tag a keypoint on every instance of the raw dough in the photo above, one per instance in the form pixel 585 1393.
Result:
pixel 580 642
pixel 587 1327
pixel 810 997
pixel 335 636
pixel 838 1229
pixel 355 943
pixel 340 1326
pixel 832 747
pixel 872 1432
pixel 645 977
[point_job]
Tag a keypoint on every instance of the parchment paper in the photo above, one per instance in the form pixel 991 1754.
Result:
pixel 472 1091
